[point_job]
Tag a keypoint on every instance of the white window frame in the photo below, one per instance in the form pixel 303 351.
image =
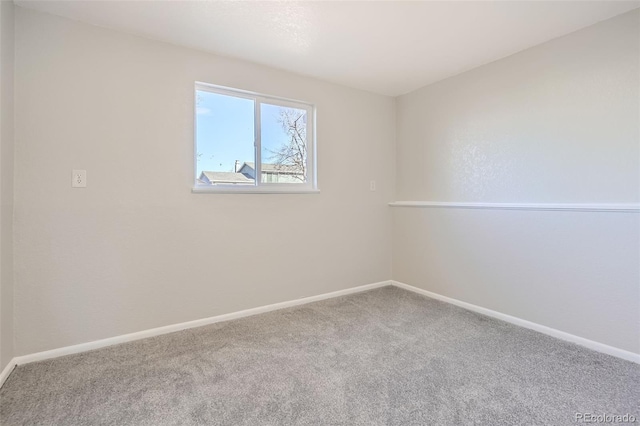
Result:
pixel 310 186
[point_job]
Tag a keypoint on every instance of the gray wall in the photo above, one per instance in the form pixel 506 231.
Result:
pixel 136 249
pixel 6 182
pixel 557 123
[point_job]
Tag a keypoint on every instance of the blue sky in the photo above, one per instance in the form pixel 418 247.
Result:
pixel 225 131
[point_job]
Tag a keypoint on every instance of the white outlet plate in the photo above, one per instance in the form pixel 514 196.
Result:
pixel 79 178
pixel 372 185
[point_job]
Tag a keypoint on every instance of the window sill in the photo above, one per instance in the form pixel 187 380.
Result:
pixel 251 190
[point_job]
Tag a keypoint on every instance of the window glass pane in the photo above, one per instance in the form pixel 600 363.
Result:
pixel 283 144
pixel 224 139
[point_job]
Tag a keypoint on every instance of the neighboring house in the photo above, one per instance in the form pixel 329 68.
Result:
pixel 224 178
pixel 245 175
pixel 274 173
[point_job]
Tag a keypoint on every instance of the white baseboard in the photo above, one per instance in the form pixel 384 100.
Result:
pixel 7 371
pixel 596 346
pixel 83 347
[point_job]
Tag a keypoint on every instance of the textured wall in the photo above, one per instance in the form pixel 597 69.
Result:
pixel 556 123
pixel 136 249
pixel 6 182
pixel 573 271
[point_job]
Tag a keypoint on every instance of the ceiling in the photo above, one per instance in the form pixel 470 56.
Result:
pixel 390 47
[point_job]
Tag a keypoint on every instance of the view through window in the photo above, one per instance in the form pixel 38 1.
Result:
pixel 248 141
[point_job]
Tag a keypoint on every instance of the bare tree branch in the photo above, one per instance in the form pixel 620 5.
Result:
pixel 292 155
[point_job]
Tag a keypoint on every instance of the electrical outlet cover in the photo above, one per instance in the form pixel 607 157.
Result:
pixel 78 178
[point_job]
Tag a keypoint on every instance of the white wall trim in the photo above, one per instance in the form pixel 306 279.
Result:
pixel 83 347
pixel 596 346
pixel 97 344
pixel 7 371
pixel 581 207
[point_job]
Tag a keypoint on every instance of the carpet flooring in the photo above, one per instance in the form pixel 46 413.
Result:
pixel 382 357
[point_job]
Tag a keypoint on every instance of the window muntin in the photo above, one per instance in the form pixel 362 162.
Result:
pixel 240 136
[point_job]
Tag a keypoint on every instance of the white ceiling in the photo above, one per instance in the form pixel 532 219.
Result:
pixel 390 47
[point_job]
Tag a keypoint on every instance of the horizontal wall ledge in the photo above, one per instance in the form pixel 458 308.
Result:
pixel 581 207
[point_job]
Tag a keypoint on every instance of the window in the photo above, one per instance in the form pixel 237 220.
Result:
pixel 246 142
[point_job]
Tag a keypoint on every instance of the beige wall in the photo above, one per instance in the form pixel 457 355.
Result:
pixel 557 123
pixel 136 249
pixel 6 182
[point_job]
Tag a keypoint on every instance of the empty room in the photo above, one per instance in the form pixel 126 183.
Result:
pixel 319 212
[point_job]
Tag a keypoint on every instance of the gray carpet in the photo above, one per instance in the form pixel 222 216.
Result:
pixel 384 357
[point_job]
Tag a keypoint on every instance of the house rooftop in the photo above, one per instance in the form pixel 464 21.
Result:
pixel 278 168
pixel 225 177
